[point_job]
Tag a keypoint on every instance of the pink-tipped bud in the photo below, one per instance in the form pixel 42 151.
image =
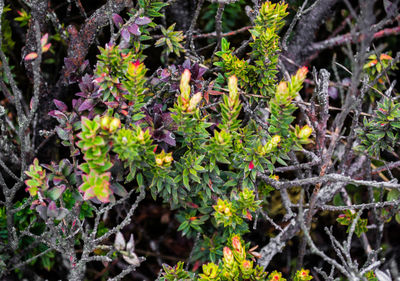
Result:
pixel 251 165
pixel 194 101
pixel 282 88
pixel 133 67
pixel 246 265
pixel 302 73
pixel 228 256
pixel 248 215
pixel 236 244
pixel 184 86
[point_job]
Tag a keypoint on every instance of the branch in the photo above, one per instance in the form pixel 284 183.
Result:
pixel 348 38
pixel 80 43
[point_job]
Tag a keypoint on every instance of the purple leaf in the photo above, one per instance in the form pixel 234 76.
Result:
pixel 333 92
pixel 169 138
pixel 134 29
pixel 61 117
pixel 186 64
pixel 74 101
pixel 123 44
pixel 60 105
pixel 164 74
pixel 69 64
pixel 390 8
pixel 125 35
pixel 142 21
pixel 202 70
pixel 42 210
pixel 52 209
pixel 86 105
pixel 83 66
pixel 86 85
pixel 118 21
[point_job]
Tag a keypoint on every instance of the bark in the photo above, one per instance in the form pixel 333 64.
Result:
pixel 305 32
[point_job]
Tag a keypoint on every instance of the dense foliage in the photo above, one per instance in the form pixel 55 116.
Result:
pixel 237 147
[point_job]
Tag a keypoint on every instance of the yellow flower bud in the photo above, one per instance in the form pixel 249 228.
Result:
pixel 305 132
pixel 282 88
pixel 275 140
pixel 184 85
pixel 194 101
pixel 114 124
pixel 233 89
pixel 105 122
pixel 140 137
pixel 168 159
pixel 159 161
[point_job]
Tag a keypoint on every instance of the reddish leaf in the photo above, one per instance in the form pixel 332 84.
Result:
pixel 112 104
pixel 43 40
pixel 46 48
pixel 31 56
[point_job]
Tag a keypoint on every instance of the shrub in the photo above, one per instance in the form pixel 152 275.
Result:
pixel 229 143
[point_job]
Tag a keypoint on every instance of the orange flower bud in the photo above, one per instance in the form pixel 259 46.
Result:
pixel 302 73
pixel 246 264
pixel 385 57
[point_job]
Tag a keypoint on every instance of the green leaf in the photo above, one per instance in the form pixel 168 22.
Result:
pixel 185 178
pixel 139 179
